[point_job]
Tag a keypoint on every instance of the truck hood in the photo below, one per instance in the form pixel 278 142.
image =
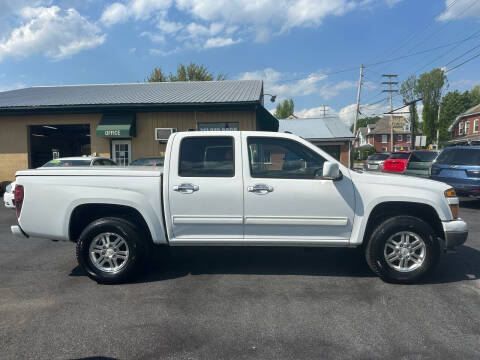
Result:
pixel 398 180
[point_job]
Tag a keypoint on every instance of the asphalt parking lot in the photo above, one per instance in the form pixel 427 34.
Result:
pixel 236 303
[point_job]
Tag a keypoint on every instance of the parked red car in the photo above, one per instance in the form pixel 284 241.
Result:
pixel 397 162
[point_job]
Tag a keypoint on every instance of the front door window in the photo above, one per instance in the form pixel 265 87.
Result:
pixel 122 152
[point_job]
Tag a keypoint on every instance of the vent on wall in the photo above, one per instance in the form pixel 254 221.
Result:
pixel 162 134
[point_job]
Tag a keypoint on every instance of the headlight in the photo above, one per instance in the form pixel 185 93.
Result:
pixel 450 193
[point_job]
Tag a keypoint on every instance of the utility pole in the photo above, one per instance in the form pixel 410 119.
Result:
pixel 411 106
pixel 391 91
pixel 356 114
pixel 438 121
pixel 324 110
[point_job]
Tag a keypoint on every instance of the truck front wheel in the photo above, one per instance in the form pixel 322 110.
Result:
pixel 403 249
pixel 111 250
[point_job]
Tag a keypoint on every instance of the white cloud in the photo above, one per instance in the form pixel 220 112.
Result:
pixel 160 52
pixel 15 6
pixel 114 13
pixel 169 27
pixel 51 31
pixel 158 38
pixel 346 113
pixel 219 42
pixel 266 17
pixel 282 84
pixel 458 9
pixel 137 9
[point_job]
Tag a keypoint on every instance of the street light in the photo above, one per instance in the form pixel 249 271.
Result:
pixel 272 97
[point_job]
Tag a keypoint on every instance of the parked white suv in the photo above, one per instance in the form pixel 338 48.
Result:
pixel 236 189
pixel 8 196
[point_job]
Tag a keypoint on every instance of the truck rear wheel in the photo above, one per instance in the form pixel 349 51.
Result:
pixel 403 249
pixel 111 250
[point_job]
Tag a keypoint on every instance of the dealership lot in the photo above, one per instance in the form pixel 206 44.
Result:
pixel 236 303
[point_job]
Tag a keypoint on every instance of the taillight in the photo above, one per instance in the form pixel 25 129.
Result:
pixel 18 198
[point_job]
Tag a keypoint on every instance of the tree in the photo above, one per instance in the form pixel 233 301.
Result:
pixel 190 72
pixel 363 122
pixel 285 109
pixel 429 87
pixel 408 89
pixel 453 104
pixel 475 96
pixel 156 75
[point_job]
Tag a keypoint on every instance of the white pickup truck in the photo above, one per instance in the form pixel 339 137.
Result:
pixel 239 188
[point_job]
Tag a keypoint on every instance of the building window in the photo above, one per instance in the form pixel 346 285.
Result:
pixel 467 127
pixel 384 139
pixel 475 125
pixel 399 138
pixel 460 128
pixel 384 149
pixel 409 138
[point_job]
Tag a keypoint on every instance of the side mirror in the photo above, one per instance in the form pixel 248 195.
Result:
pixel 331 170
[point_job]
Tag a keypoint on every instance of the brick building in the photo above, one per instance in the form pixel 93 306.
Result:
pixel 378 135
pixel 465 128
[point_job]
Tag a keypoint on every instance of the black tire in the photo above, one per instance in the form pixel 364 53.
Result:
pixel 134 238
pixel 374 251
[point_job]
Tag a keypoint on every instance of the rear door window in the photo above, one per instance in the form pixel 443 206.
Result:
pixel 207 157
pixel 378 157
pixel 399 156
pixel 423 156
pixel 459 157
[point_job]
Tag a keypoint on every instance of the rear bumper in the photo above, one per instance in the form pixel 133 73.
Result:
pixel 18 232
pixel 456 232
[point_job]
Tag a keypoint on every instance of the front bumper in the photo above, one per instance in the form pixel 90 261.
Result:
pixel 456 232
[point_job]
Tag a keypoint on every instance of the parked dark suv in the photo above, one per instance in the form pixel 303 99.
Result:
pixel 459 167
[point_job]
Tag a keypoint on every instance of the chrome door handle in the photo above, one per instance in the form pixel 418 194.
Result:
pixel 186 188
pixel 260 188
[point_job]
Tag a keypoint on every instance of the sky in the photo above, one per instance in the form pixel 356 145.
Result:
pixel 308 50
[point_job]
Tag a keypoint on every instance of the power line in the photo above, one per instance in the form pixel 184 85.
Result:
pixel 462 63
pixel 424 29
pixel 444 25
pixel 424 51
pixel 459 57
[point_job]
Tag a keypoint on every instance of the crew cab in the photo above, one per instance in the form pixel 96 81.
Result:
pixel 239 188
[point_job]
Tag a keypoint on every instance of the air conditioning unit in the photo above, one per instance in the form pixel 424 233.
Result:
pixel 162 134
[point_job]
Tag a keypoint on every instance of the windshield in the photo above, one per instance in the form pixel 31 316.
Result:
pixel 423 156
pixel 459 157
pixel 376 157
pixel 64 163
pixel 400 156
pixel 148 162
